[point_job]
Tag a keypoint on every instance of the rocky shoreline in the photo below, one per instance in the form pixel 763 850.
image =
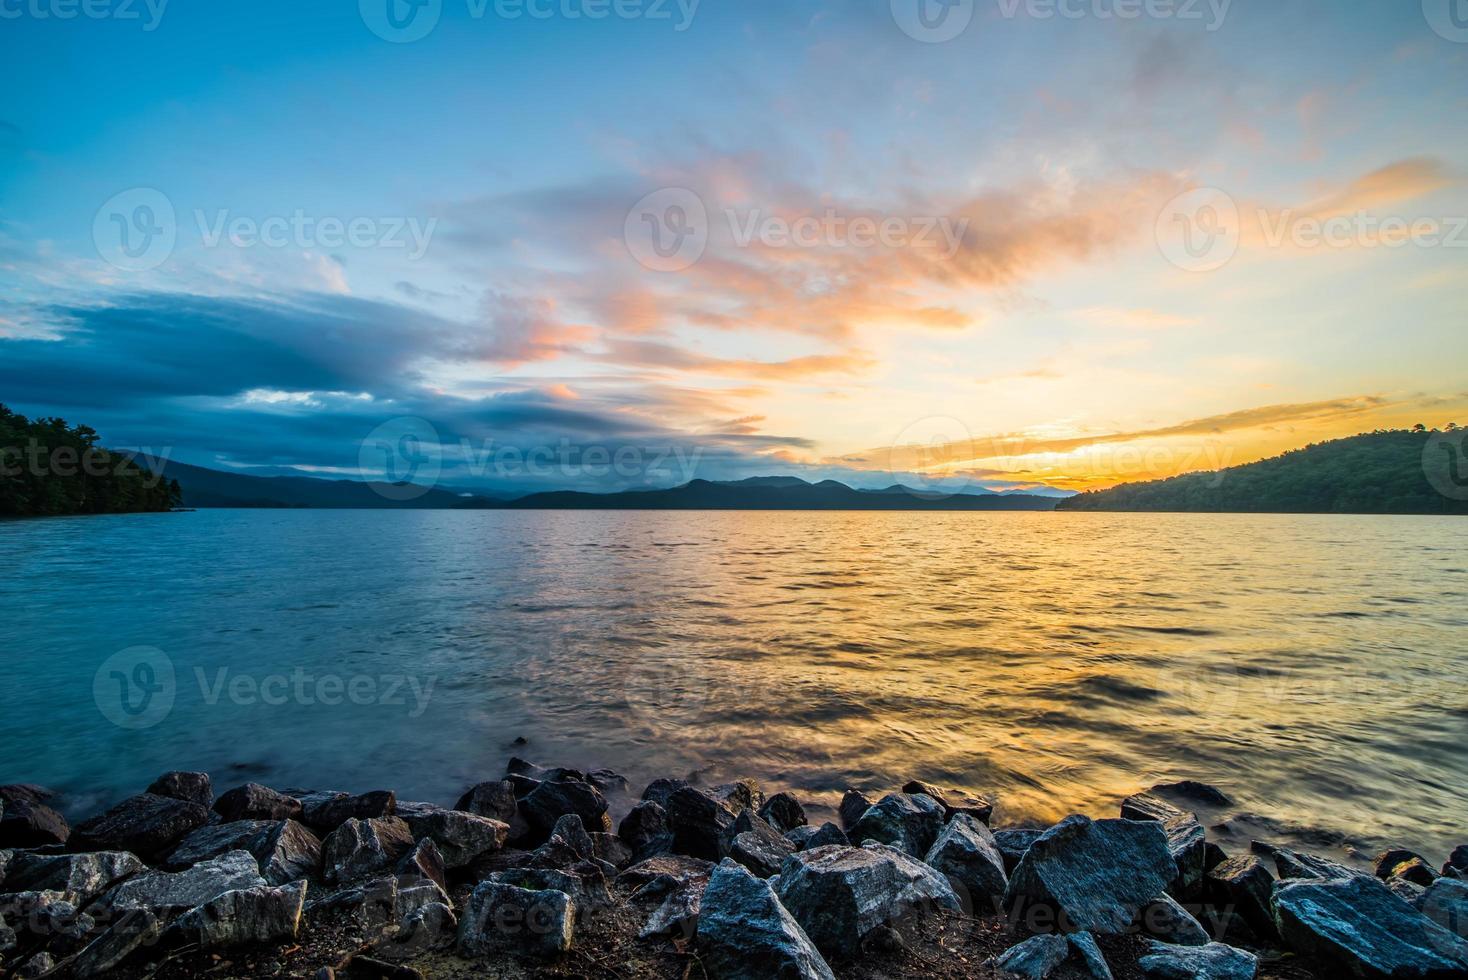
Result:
pixel 529 875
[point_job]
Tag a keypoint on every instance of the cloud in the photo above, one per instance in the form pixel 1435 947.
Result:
pixel 1134 319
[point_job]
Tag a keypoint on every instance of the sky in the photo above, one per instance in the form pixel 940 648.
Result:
pixel 523 244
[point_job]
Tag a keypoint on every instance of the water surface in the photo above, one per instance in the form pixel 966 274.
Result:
pixel 1312 666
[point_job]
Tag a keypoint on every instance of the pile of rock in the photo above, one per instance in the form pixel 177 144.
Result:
pixel 522 866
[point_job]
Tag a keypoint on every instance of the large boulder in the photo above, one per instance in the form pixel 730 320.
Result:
pixel 361 848
pixel 758 846
pixel 1361 926
pixel 324 816
pixel 26 820
pixel 286 850
pixel 744 933
pixel 966 854
pixel 700 824
pixel 461 837
pixel 552 798
pixel 1186 838
pixel 1241 887
pixel 1013 843
pixel 840 894
pixel 80 877
pixel 646 830
pixel 264 914
pixel 255 802
pixel 952 801
pixel 1034 959
pixel 1445 902
pixel 178 891
pixel 854 803
pixel 148 825
pixel 783 812
pixel 502 918
pixel 903 820
pixel 1214 961
pixel 195 787
pixel 1095 875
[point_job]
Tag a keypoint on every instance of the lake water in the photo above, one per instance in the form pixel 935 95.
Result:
pixel 1312 666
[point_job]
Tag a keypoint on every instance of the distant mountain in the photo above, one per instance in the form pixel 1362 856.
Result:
pixel 826 495
pixel 204 487
pixel 1376 473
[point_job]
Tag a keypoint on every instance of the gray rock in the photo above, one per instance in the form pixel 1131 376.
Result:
pixel 1035 958
pixel 757 845
pixel 701 824
pixel 1169 922
pixel 801 836
pixel 646 830
pixel 1186 838
pixel 953 801
pixel 902 820
pixel 177 891
pixel 496 800
pixel 681 897
pixel 257 915
pixel 1360 925
pixel 1193 792
pixel 587 887
pixel 610 849
pixel 424 863
pixel 659 790
pixel 1214 961
pixel 1095 874
pixel 46 915
pixel 372 904
pixel 1148 806
pixel 674 865
pixel 965 853
pixel 1445 902
pixel 1292 864
pixel 461 837
pixel 853 805
pixel 123 937
pixel 745 933
pixel 324 816
pixel 1242 887
pixel 212 840
pixel 502 918
pixel 1084 948
pixel 424 930
pixel 37 966
pixel 783 812
pixel 287 852
pixel 825 835
pixel 425 893
pixel 1405 890
pixel 255 802
pixel 554 798
pixel 147 825
pixel 740 795
pixel 195 787
pixel 80 877
pixel 840 894
pixel 361 848
pixel 1013 843
pixel 1385 864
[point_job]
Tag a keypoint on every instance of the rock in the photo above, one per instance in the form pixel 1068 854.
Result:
pixel 503 918
pixel 700 824
pixel 608 781
pixel 569 832
pixel 965 853
pixel 1458 860
pixel 255 802
pixel 324 816
pixel 1241 887
pixel 910 823
pixel 372 904
pixel 1292 864
pixel 840 894
pixel 554 798
pixel 361 848
pixel 287 852
pixel 672 865
pixel 423 930
pixel 1386 862
pixel 659 790
pixel 1169 922
pixel 1360 925
pixel 827 834
pixel 801 836
pixel 1406 890
pixel 853 805
pixel 37 966
pixel 122 938
pixel 1147 806
pixel 461 837
pixel 952 801
pixel 147 825
pixel 424 863
pixel 257 915
pixel 1096 874
pixel 215 839
pixel 46 915
pixel 1035 958
pixel 744 933
pixel 177 891
pixel 757 845
pixel 495 800
pixel 1214 961
pixel 194 787
pixel 1445 902
pixel 80 877
pixel 1415 871
pixel 587 887
pixel 681 895
pixel 646 830
pixel 611 849
pixel 783 812
pixel 1192 791
pixel 1083 947
pixel 1013 843
pixel 740 795
pixel 27 824
pixel 1186 838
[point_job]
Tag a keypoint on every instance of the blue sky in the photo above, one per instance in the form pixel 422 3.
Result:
pixel 1059 340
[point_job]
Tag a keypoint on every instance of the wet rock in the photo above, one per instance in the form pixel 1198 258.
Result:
pixel 502 918
pixel 287 852
pixel 840 894
pixel 1415 871
pixel 1084 948
pixel 1458 860
pixel 461 837
pixel 1169 922
pixel 907 822
pixel 745 933
pixel 1148 806
pixel 255 802
pixel 495 800
pixel 1241 887
pixel 37 966
pixel 1214 961
pixel 740 795
pixel 1445 902
pixel 758 846
pixel 1034 959
pixel 424 863
pixel 608 781
pixel 177 891
pixel 212 840
pixel 1293 864
pixel 147 825
pixel 361 848
pixel 965 853
pixel 194 787
pixel 700 823
pixel 1096 874
pixel 1360 925
pixel 646 830
pixel 24 824
pixel 1186 838
pixel 1386 863
pixel 659 790
pixel 257 915
pixel 783 812
pixel 1191 791
pixel 80 877
pixel 953 801
pixel 1013 843
pixel 554 798
pixel 853 805
pixel 324 816
pixel 123 937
